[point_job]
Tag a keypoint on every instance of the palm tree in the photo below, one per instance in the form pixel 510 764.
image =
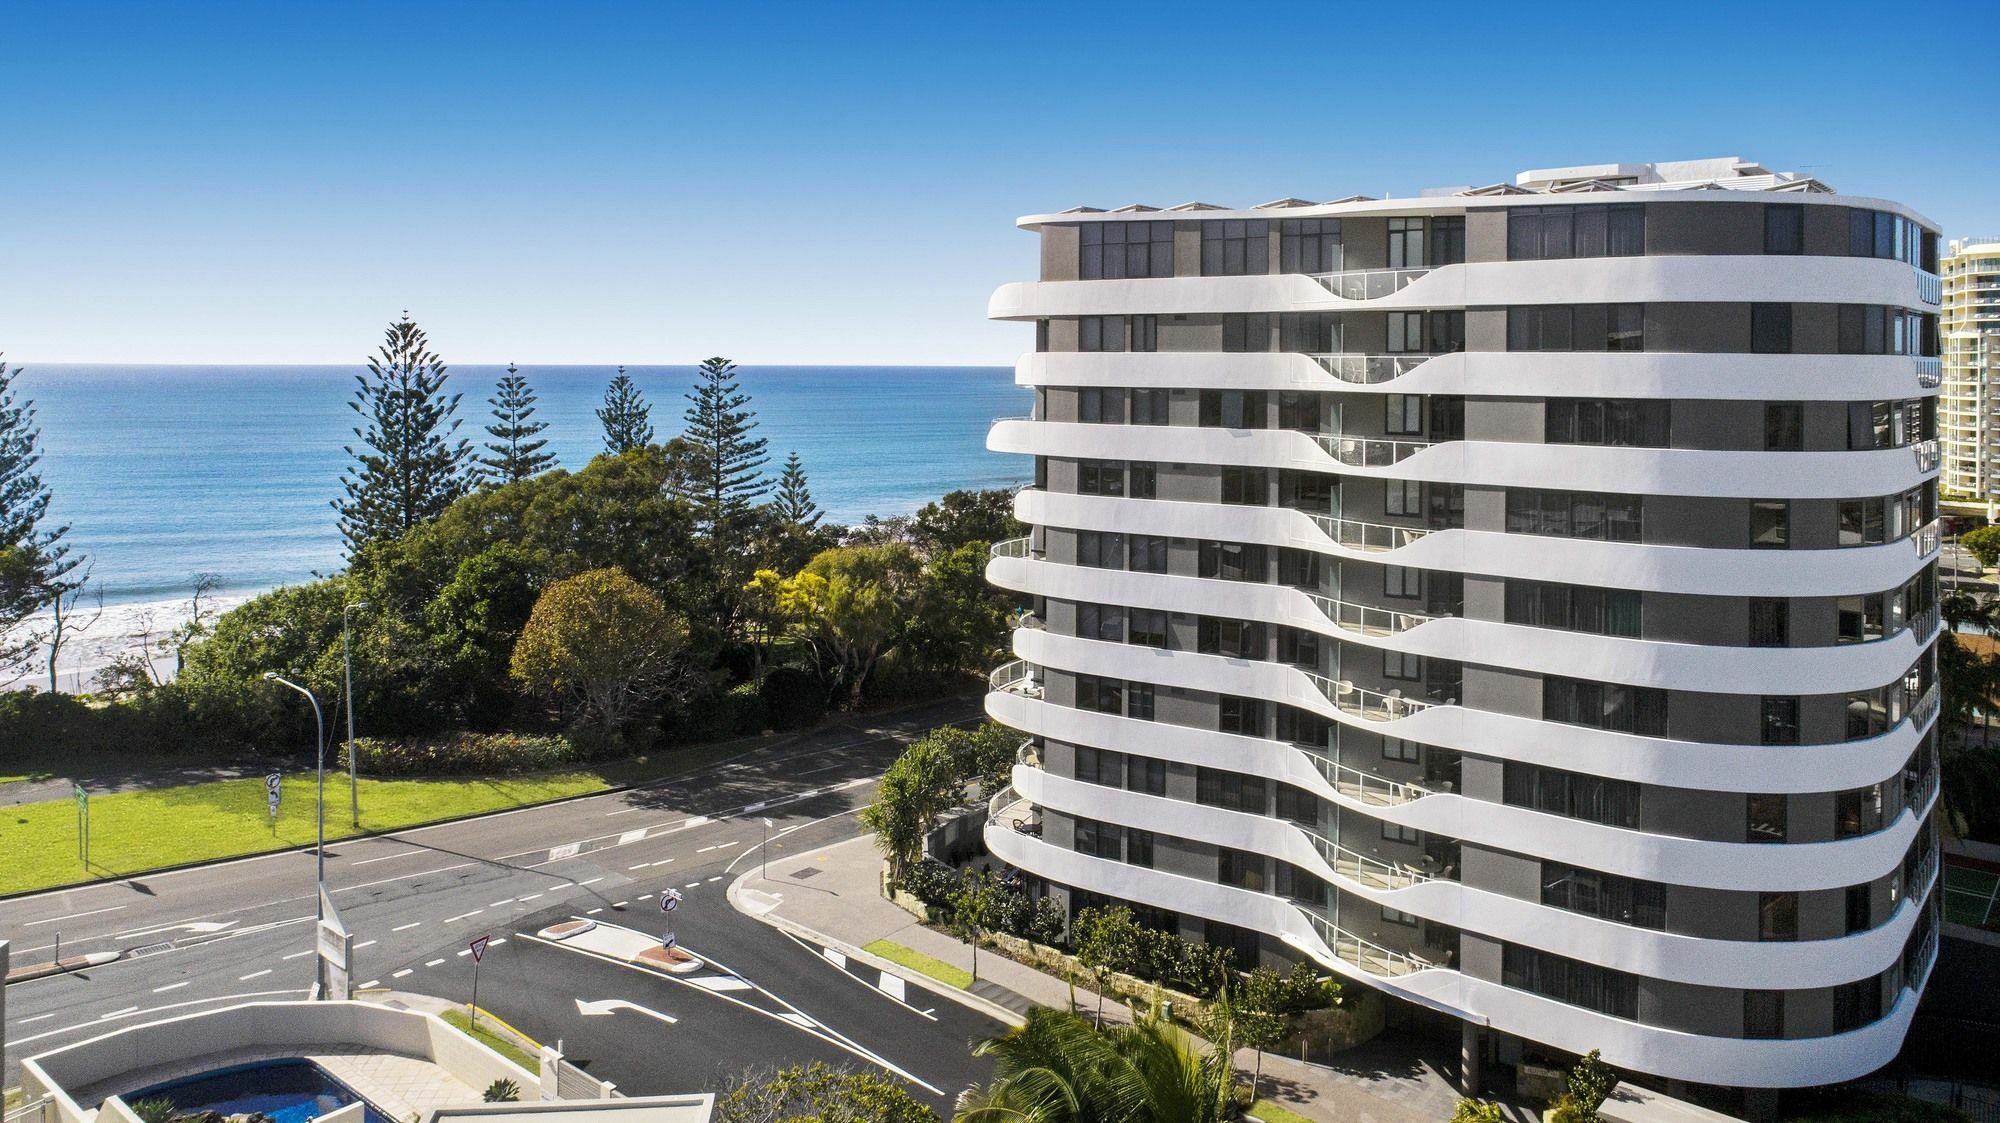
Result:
pixel 1059 1068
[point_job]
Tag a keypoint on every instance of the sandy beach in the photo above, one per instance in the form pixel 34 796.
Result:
pixel 119 628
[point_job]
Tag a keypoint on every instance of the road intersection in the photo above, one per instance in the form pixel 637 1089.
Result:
pixel 209 936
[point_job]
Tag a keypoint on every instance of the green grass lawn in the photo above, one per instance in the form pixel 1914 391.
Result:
pixel 1272 1113
pixel 502 1045
pixel 917 961
pixel 134 832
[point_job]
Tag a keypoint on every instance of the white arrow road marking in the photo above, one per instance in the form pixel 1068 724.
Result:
pixel 610 1005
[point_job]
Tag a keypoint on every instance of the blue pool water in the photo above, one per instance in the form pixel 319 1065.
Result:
pixel 289 1091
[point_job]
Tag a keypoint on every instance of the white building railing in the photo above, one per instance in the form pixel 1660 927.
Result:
pixel 1930 286
pixel 1016 677
pixel 1373 959
pixel 1925 709
pixel 1926 454
pixel 1368 284
pixel 1362 869
pixel 1367 619
pixel 1372 705
pixel 1930 372
pixel 1368 370
pixel 1012 547
pixel 1364 787
pixel 1357 535
pixel 1926 539
pixel 1368 452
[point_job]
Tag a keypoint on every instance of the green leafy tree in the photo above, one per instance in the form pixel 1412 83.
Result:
pixel 410 467
pixel 1587 1085
pixel 34 562
pixel 818 1093
pixel 1983 544
pixel 961 621
pixel 1477 1111
pixel 1058 1068
pixel 975 906
pixel 794 501
pixel 963 517
pixel 516 448
pixel 1261 1001
pixel 473 623
pixel 719 423
pixel 604 640
pixel 1107 941
pixel 851 604
pixel 625 416
pixel 917 786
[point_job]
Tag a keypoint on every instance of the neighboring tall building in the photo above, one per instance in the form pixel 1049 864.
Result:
pixel 1519 599
pixel 1969 412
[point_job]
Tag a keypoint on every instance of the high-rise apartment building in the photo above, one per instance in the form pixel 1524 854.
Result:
pixel 1519 599
pixel 1969 407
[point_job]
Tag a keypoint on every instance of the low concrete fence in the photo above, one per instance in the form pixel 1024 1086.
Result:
pixel 562 1080
pixel 267 1027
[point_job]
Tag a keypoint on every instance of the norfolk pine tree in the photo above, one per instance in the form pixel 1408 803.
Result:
pixel 730 461
pixel 34 562
pixel 409 467
pixel 625 416
pixel 516 445
pixel 793 501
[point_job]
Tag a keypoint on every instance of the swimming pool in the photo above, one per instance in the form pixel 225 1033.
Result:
pixel 288 1091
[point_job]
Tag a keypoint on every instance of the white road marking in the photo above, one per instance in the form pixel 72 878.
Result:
pixel 462 916
pixel 798 1018
pixel 72 916
pixel 834 957
pixel 566 850
pixel 253 975
pixel 706 849
pixel 529 897
pixel 39 1017
pixel 171 986
pixel 386 858
pixel 592 881
pixel 466 952
pixel 434 962
pixel 369 983
pixel 405 877
pixel 721 982
pixel 593 912
pixel 607 1006
pixel 724 845
pixel 400 974
pixel 366 944
pixel 620 811
pixel 716 878
pixel 892 985
pixel 297 954
pixel 407 927
pixel 115 1013
pixel 620 904
pixel 789 830
pixel 630 837
pixel 692 885
pixel 497 904
pixel 498 942
pixel 640 866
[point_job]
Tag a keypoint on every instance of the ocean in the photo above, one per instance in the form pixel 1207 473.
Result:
pixel 166 471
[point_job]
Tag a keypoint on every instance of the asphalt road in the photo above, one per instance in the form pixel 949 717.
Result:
pixel 205 937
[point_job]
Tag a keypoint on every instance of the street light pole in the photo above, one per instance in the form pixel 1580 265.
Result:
pixel 347 663
pixel 766 872
pixel 319 747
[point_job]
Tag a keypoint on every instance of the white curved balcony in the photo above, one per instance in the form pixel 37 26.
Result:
pixel 1363 369
pixel 1499 374
pixel 1668 1053
pixel 1495 464
pixel 1930 372
pixel 1363 955
pixel 1017 676
pixel 1369 452
pixel 1926 453
pixel 1718 669
pixel 1646 279
pixel 1368 705
pixel 1658 760
pixel 1012 548
pixel 1370 284
pixel 1483 821
pixel 1617 565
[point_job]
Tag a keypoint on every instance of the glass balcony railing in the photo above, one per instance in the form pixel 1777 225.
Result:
pixel 1012 548
pixel 1362 869
pixel 1370 705
pixel 1369 284
pixel 1357 535
pixel 1364 787
pixel 1930 372
pixel 1371 958
pixel 1016 677
pixel 1368 452
pixel 1368 370
pixel 1927 455
pixel 1367 619
pixel 1930 287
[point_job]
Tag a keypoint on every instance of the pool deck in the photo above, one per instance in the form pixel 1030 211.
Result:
pixel 399 1087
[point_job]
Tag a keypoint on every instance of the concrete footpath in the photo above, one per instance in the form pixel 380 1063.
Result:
pixel 830 896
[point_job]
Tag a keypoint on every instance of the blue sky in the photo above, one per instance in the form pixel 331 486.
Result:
pixel 836 182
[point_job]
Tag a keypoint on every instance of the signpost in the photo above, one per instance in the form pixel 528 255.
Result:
pixel 478 947
pixel 82 822
pixel 765 873
pixel 668 940
pixel 670 900
pixel 336 951
pixel 273 785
